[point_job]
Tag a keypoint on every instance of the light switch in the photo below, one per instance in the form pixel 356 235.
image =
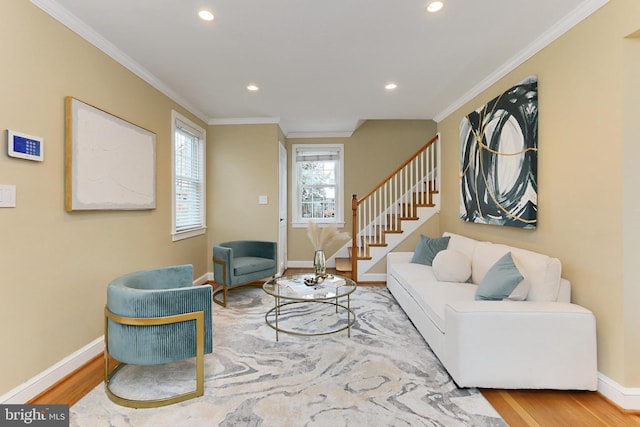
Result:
pixel 7 196
pixel 263 200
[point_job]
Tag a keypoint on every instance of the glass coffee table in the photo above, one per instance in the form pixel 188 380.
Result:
pixel 291 292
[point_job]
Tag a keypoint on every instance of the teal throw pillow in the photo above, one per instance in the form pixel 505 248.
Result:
pixel 500 281
pixel 427 249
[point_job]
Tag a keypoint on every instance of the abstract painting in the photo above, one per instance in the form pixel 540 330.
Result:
pixel 499 159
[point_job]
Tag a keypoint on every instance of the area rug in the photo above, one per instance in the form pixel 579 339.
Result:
pixel 383 375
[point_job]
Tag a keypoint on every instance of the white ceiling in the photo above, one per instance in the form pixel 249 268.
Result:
pixel 321 65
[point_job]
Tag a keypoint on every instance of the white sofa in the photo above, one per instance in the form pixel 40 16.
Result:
pixel 544 342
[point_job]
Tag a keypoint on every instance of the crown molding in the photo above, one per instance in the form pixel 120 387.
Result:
pixel 565 24
pixel 69 20
pixel 343 134
pixel 245 121
pixel 56 11
pixel 292 134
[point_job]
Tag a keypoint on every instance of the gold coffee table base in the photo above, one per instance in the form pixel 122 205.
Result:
pixel 275 312
pixel 298 289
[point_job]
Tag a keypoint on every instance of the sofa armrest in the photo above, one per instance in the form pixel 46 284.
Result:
pixel 521 344
pixel 222 272
pixel 564 293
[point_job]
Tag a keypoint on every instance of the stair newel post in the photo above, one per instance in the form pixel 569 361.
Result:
pixel 354 238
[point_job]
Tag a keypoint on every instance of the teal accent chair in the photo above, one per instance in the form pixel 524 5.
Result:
pixel 153 317
pixel 242 262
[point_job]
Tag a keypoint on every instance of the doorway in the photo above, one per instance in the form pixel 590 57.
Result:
pixel 282 208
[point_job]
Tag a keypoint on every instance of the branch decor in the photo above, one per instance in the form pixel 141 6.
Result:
pixel 320 238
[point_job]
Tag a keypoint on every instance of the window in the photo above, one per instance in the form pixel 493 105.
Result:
pixel 188 178
pixel 317 177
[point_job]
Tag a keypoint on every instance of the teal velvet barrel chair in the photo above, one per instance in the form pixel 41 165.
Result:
pixel 242 262
pixel 153 317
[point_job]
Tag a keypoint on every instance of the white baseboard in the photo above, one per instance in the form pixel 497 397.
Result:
pixel 625 397
pixel 300 264
pixel 373 277
pixel 203 279
pixel 41 382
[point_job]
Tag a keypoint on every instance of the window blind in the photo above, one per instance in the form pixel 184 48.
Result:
pixel 189 185
pixel 311 155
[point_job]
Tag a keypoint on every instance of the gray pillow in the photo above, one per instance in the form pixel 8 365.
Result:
pixel 427 248
pixel 500 281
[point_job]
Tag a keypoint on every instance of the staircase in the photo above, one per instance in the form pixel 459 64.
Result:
pixel 391 212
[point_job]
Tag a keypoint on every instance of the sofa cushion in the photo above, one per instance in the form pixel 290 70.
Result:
pixel 500 281
pixel 431 295
pixel 521 291
pixel 451 266
pixel 542 271
pixel 427 248
pixel 250 264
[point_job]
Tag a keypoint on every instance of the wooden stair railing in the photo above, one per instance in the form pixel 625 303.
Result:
pixel 395 199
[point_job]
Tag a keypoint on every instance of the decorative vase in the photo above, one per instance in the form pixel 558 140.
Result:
pixel 319 263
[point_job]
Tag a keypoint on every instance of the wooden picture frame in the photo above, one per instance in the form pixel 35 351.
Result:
pixel 110 163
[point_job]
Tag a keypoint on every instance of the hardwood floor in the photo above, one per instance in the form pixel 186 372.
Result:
pixel 74 386
pixel 549 408
pixel 537 408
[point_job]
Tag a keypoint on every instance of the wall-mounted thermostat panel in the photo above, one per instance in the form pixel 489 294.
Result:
pixel 25 146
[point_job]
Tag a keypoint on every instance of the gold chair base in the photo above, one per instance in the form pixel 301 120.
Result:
pixel 222 289
pixel 151 403
pixel 109 373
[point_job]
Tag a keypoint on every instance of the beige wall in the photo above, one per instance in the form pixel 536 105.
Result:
pixel 373 152
pixel 56 265
pixel 242 162
pixel 631 207
pixel 582 144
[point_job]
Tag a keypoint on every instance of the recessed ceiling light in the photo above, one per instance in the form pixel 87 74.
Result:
pixel 252 87
pixel 390 86
pixel 434 6
pixel 205 15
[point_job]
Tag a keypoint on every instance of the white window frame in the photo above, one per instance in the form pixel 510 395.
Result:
pixel 296 213
pixel 178 120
